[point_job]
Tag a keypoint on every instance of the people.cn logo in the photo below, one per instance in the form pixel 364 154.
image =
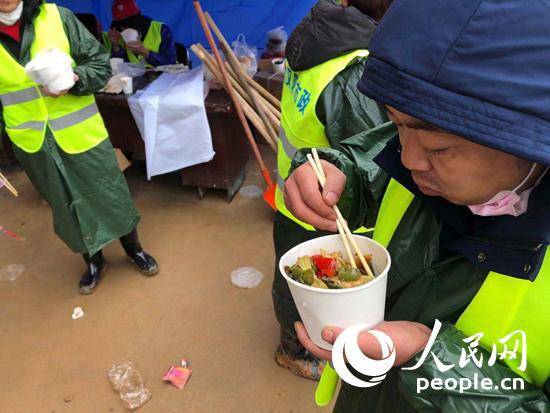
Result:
pixel 347 347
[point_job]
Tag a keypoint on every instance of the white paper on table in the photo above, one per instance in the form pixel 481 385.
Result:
pixel 171 118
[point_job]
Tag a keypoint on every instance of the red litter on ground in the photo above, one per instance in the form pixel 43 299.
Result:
pixel 11 234
pixel 179 375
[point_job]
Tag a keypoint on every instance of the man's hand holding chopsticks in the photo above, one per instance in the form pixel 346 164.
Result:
pixel 304 198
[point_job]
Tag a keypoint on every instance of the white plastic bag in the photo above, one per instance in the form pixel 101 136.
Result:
pixel 276 43
pixel 247 55
pixel 131 69
pixel 277 38
pixel 171 118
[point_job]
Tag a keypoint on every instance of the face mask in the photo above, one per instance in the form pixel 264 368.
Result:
pixel 507 202
pixel 9 19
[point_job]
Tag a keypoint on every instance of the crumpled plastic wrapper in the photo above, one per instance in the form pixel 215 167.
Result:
pixel 11 272
pixel 246 277
pixel 129 383
pixel 179 375
pixel 175 69
pixel 115 85
pixel 252 191
pixel 78 312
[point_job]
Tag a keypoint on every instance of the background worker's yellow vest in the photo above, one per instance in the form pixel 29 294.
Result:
pixel 74 120
pixel 152 42
pixel 503 304
pixel 300 126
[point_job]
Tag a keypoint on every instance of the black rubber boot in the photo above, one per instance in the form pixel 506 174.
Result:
pixel 91 279
pixel 146 264
pixel 293 356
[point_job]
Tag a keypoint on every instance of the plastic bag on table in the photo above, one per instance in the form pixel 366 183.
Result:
pixel 171 117
pixel 129 383
pixel 276 43
pixel 131 69
pixel 246 54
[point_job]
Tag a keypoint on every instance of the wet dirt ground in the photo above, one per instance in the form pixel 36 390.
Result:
pixel 51 363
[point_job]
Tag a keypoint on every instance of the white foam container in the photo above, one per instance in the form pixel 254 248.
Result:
pixel 278 66
pixel 130 35
pixel 127 85
pixel 115 62
pixel 52 68
pixel 320 308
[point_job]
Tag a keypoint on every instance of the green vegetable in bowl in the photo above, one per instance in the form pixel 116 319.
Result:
pixel 349 274
pixel 328 271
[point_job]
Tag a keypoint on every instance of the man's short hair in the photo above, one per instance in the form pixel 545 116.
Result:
pixel 373 8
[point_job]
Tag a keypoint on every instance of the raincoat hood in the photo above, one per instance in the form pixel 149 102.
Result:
pixel 477 68
pixel 327 32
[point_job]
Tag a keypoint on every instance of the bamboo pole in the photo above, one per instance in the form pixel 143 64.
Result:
pixel 269 194
pixel 251 81
pixel 8 185
pixel 249 112
pixel 241 75
pixel 272 113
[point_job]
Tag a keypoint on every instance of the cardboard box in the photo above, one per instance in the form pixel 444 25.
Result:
pixel 264 65
pixel 272 82
pixel 123 162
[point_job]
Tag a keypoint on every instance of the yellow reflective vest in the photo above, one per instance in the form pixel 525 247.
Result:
pixel 503 305
pixel 74 121
pixel 300 126
pixel 152 42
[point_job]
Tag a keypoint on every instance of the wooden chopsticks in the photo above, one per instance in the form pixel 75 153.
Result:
pixel 8 185
pixel 345 233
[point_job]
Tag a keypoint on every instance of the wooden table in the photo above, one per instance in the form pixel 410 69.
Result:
pixel 226 171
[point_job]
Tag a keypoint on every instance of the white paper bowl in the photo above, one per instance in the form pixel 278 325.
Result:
pixel 130 35
pixel 321 308
pixel 278 65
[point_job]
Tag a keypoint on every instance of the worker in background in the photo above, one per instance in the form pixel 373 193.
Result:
pixel 466 215
pixel 321 107
pixel 155 47
pixel 60 139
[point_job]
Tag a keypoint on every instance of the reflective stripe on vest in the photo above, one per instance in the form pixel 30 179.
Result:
pixel 74 120
pixel 503 304
pixel 20 96
pixel 152 42
pixel 300 127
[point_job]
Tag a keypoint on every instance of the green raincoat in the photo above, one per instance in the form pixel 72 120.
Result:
pixel 87 192
pixel 425 283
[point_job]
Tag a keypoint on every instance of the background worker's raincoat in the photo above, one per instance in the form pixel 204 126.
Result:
pixel 88 194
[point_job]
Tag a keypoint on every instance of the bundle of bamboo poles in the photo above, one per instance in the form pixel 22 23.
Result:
pixel 261 108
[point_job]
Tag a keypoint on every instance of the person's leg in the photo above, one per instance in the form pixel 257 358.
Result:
pixel 290 353
pixel 93 275
pixel 146 264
